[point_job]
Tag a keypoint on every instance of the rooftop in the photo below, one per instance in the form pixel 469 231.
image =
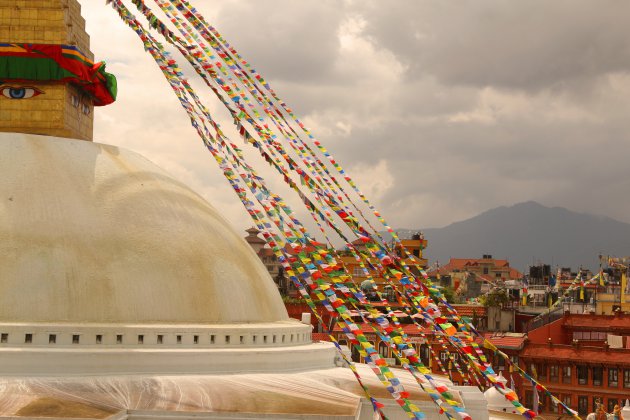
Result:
pixel 577 353
pixel 607 323
pixel 463 264
pixel 510 341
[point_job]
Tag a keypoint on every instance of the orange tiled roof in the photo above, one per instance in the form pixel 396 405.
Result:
pixel 467 310
pixel 512 341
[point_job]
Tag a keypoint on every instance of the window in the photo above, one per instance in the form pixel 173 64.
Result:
pixel 75 339
pixel 141 339
pixel 485 270
pixel 179 339
pixel 553 373
pixel 566 374
pixel 500 363
pixel 425 354
pixel 28 338
pixel 119 339
pixel 383 350
pixel 52 338
pixel 212 339
pixel 99 338
pixel 626 378
pixel 582 404
pixel 444 356
pixel 389 293
pixel 598 375
pixel 532 370
pixel 542 401
pixel 582 374
pixel 612 402
pixel 354 352
pixel 160 339
pixel 613 377
pixel 542 370
pixel 589 335
pixel 196 339
pixel 567 400
pixel 4 337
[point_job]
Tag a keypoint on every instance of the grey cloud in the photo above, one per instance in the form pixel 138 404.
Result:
pixel 498 102
pixel 533 44
pixel 284 39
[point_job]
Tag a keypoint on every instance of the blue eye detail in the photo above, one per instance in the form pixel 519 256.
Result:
pixel 25 92
pixel 17 93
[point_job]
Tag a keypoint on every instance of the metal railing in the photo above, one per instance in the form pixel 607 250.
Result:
pixel 544 319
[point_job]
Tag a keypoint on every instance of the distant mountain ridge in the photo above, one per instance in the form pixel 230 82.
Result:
pixel 529 232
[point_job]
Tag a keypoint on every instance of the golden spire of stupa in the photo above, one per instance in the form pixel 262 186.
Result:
pixel 48 81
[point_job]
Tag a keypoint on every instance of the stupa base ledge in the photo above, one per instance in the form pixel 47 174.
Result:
pixel 46 361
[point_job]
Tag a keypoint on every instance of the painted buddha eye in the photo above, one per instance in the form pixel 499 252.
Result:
pixel 24 92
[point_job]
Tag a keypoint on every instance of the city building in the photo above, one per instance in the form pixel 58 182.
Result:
pixel 583 359
pixel 413 246
pixel 470 277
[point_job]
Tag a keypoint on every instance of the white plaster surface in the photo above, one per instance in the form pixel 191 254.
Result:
pixel 94 233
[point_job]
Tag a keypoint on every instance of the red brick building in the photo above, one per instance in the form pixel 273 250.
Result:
pixel 581 359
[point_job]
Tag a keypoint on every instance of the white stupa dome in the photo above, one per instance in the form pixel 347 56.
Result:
pixel 95 233
pixel 109 265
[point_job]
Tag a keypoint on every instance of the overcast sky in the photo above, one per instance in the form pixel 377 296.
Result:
pixel 439 109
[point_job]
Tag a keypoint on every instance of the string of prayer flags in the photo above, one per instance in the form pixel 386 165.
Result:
pixel 267 125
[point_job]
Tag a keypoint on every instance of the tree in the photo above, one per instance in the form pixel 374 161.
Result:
pixel 475 319
pixel 449 294
pixel 496 297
